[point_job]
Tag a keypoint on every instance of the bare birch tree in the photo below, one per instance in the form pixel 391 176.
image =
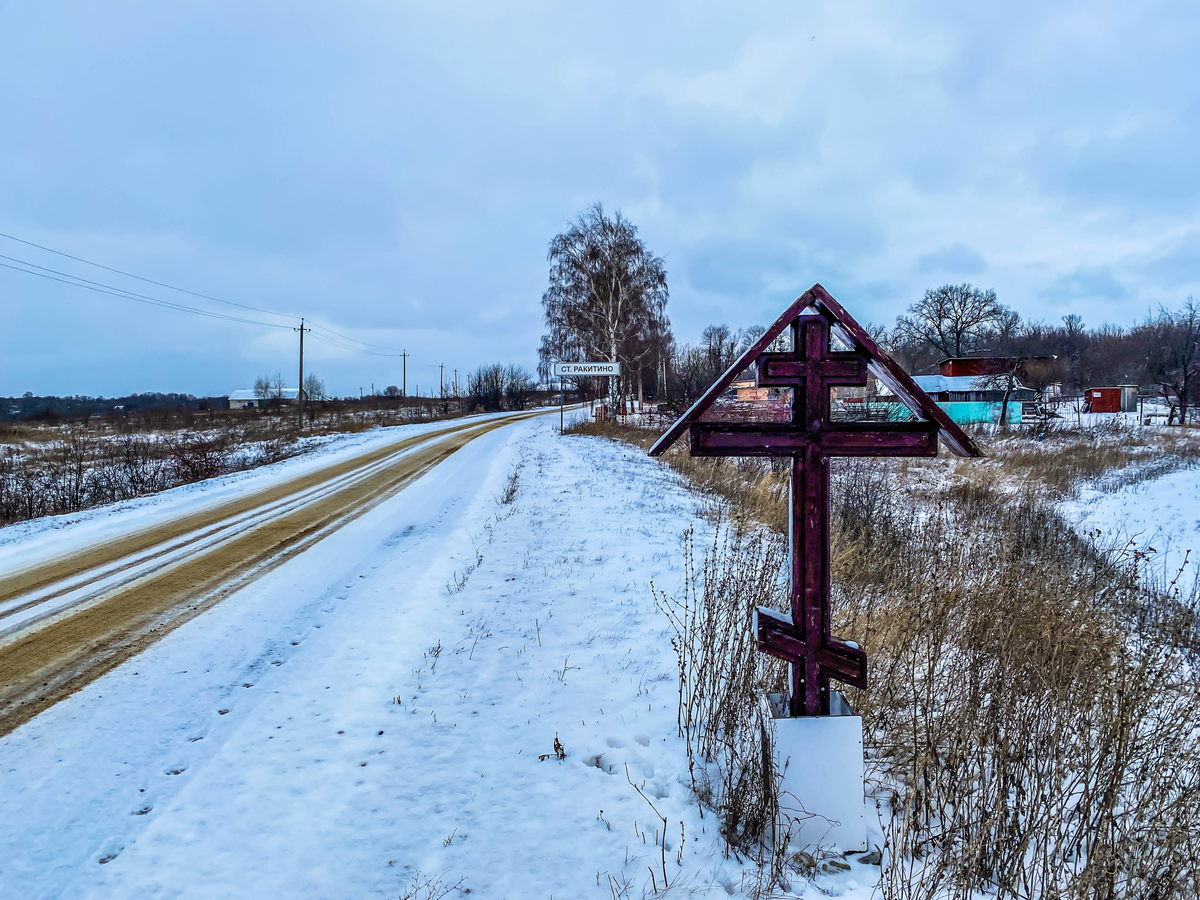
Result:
pixel 607 295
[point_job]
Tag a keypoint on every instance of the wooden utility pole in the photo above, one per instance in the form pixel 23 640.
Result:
pixel 300 390
pixel 404 374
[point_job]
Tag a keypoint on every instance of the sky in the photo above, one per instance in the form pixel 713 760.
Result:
pixel 395 171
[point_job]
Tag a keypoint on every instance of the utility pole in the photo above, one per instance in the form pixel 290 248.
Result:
pixel 404 374
pixel 456 383
pixel 300 391
pixel 441 379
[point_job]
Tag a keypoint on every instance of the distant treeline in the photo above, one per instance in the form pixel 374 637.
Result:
pixel 31 408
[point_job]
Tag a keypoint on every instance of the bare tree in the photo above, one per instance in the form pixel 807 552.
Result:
pixel 276 386
pixel 497 386
pixel 518 386
pixel 392 390
pixel 720 346
pixel 262 387
pixel 485 387
pixel 696 366
pixel 1014 344
pixel 1173 354
pixel 953 318
pixel 607 295
pixel 314 388
pixel 1074 341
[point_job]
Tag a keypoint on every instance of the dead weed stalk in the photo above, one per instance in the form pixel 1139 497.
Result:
pixel 722 717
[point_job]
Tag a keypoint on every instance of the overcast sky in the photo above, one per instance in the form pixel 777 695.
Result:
pixel 395 170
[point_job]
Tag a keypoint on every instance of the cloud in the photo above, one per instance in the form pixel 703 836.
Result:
pixel 1178 268
pixel 954 259
pixel 740 269
pixel 1086 283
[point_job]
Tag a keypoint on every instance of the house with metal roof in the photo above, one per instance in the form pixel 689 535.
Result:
pixel 971 399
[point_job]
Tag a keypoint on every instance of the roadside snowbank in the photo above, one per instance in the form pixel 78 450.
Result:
pixel 24 543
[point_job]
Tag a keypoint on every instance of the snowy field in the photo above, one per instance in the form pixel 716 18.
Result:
pixel 1161 513
pixel 388 704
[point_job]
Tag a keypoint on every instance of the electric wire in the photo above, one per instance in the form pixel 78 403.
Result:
pixel 140 298
pixel 79 281
pixel 354 340
pixel 171 287
pixel 326 340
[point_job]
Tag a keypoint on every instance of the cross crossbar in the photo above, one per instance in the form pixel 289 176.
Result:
pixel 839 439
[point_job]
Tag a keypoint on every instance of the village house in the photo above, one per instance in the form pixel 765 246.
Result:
pixel 247 399
pixel 970 390
pixel 975 398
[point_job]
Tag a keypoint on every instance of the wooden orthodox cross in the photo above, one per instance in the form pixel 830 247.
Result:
pixel 810 436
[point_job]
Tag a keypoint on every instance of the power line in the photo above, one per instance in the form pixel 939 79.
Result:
pixel 132 295
pixel 326 340
pixel 129 295
pixel 355 340
pixel 99 287
pixel 171 287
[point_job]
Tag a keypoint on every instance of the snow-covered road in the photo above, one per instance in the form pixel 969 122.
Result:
pixel 66 619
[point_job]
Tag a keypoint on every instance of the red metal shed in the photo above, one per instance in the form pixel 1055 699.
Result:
pixel 1104 399
pixel 1123 398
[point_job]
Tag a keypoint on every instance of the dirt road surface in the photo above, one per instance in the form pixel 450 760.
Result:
pixel 66 622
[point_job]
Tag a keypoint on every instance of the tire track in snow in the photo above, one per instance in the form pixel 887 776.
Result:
pixel 56 656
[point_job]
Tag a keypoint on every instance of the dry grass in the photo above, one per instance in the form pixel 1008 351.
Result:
pixel 751 489
pixel 1032 721
pixel 62 468
pixel 1059 460
pixel 723 678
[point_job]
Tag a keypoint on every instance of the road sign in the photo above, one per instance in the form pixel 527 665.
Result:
pixel 574 370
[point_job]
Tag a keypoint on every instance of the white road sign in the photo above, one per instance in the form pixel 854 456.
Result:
pixel 573 370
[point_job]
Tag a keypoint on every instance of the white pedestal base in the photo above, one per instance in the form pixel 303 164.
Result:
pixel 821 796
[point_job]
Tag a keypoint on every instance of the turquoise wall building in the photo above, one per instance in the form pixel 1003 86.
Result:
pixel 973 399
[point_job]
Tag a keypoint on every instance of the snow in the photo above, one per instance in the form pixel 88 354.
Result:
pixel 1161 513
pixel 26 543
pixel 388 703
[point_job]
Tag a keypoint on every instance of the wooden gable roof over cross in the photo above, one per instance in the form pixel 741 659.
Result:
pixel 805 431
pixel 811 368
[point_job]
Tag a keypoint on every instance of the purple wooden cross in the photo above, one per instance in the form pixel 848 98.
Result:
pixel 811 438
